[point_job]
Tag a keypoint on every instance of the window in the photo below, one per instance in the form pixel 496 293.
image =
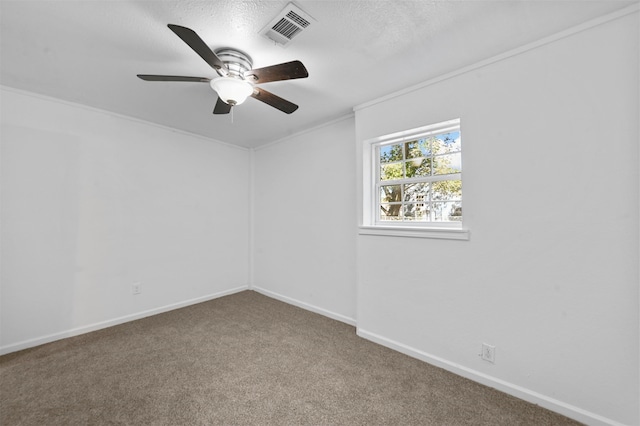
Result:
pixel 415 178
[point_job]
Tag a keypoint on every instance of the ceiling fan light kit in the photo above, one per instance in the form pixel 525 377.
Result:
pixel 231 90
pixel 236 79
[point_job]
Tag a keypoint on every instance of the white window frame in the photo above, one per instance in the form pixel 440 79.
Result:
pixel 371 183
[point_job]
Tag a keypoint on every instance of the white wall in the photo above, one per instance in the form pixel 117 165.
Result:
pixel 304 220
pixel 92 202
pixel 550 273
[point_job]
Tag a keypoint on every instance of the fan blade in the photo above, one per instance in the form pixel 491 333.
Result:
pixel 195 42
pixel 273 100
pixel 150 77
pixel 221 107
pixel 285 71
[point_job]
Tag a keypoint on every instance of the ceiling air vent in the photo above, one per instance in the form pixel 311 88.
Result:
pixel 287 25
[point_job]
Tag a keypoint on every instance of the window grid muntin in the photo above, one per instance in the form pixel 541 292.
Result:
pixel 428 201
pixel 431 178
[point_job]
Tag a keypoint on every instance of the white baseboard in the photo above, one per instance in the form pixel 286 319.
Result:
pixel 509 388
pixel 25 344
pixel 304 305
pixel 528 395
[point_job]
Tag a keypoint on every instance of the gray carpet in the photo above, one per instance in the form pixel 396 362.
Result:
pixel 243 359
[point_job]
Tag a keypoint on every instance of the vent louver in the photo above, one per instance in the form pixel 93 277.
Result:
pixel 287 25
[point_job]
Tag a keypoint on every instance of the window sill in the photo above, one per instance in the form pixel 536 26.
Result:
pixel 415 232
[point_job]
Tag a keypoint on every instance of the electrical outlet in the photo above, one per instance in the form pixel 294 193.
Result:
pixel 136 288
pixel 488 353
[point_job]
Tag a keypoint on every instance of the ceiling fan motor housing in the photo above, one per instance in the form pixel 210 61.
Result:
pixel 237 62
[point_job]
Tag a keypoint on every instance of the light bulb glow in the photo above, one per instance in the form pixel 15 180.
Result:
pixel 232 91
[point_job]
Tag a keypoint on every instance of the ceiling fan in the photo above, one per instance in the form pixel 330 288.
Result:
pixel 236 80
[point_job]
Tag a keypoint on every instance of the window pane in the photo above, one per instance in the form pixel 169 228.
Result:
pixel 447 211
pixel 390 211
pixel 446 164
pixel 446 190
pixel 446 142
pixel 416 192
pixel 390 193
pixel 390 153
pixel 415 212
pixel 418 167
pixel 391 171
pixel 455 211
pixel 417 148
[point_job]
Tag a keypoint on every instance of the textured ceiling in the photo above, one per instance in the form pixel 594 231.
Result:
pixel 90 51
